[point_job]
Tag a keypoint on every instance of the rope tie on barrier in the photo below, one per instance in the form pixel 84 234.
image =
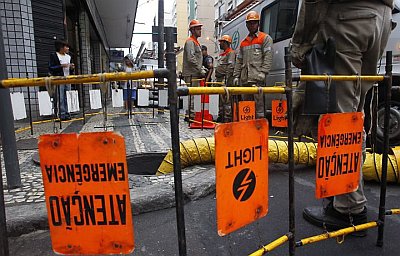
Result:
pixel 102 77
pixel 47 81
pixel 358 81
pixel 328 82
pixel 340 239
pixel 260 90
pixel 226 96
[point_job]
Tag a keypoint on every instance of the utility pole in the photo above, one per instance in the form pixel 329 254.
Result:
pixel 160 42
pixel 7 130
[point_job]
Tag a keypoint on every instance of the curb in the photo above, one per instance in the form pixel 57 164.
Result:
pixel 23 219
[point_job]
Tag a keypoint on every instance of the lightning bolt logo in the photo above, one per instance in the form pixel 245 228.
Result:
pixel 244 184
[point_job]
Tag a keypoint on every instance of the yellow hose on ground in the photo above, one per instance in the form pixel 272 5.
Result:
pixel 202 151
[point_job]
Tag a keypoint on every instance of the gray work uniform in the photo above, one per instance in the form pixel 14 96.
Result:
pixel 360 29
pixel 192 60
pixel 192 65
pixel 253 64
pixel 224 73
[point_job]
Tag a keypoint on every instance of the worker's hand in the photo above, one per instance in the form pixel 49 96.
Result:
pixel 203 72
pixel 236 81
pixel 298 52
pixel 261 77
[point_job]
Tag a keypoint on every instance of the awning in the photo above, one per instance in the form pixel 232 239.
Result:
pixel 117 19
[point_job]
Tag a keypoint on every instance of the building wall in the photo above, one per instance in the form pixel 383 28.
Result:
pixel 180 20
pixel 19 45
pixel 48 23
pixel 204 8
pixel 19 39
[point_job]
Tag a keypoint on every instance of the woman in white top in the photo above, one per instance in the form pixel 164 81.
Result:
pixel 60 65
pixel 127 85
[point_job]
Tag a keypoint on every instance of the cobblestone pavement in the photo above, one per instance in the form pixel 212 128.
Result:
pixel 142 133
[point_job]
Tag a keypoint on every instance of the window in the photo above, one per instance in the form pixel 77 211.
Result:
pixel 279 19
pixel 230 6
pixel 221 10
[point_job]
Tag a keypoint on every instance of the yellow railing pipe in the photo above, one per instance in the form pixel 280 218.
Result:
pixel 78 79
pixel 393 211
pixel 271 246
pixel 337 78
pixel 338 233
pixel 183 91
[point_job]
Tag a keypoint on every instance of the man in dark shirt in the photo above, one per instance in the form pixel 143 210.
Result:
pixel 208 63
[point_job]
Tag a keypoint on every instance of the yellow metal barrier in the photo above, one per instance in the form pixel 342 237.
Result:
pixel 339 233
pixel 78 79
pixel 393 211
pixel 183 91
pixel 271 246
pixel 337 78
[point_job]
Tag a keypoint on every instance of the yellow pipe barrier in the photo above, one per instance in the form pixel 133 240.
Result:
pixel 393 211
pixel 81 79
pixel 338 78
pixel 271 246
pixel 337 233
pixel 183 91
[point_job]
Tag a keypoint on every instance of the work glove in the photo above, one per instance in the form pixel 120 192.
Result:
pixel 203 72
pixel 236 81
pixel 261 77
pixel 298 52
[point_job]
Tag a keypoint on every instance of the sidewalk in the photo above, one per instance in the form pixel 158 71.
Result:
pixel 25 206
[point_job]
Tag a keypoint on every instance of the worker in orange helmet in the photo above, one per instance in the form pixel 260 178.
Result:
pixel 193 59
pixel 254 60
pixel 224 73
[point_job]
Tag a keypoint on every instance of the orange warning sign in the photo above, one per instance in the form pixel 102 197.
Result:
pixel 279 113
pixel 339 154
pixel 241 151
pixel 86 187
pixel 247 111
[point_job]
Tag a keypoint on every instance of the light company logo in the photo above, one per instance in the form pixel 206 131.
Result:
pixel 235 40
pixel 244 184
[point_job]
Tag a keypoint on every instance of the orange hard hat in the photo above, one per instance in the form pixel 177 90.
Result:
pixel 252 15
pixel 226 38
pixel 194 23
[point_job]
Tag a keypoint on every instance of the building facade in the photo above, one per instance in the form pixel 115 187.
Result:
pixel 92 27
pixel 185 10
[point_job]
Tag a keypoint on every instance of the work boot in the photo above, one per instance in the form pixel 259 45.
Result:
pixel 333 220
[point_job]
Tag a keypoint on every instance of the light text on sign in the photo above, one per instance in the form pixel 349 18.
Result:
pixel 243 156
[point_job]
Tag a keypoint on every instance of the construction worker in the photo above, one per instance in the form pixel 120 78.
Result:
pixel 192 67
pixel 360 30
pixel 254 60
pixel 224 73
